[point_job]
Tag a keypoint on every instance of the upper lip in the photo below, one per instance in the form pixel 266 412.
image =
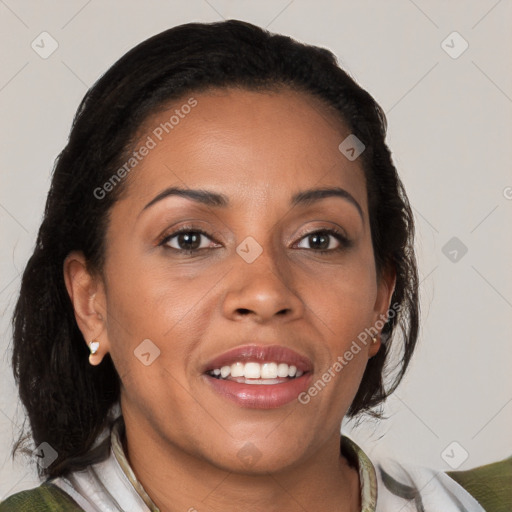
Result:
pixel 261 354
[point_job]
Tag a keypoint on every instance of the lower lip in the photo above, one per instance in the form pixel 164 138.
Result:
pixel 260 396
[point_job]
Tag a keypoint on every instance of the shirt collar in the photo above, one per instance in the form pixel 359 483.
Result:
pixel 367 475
pixel 117 447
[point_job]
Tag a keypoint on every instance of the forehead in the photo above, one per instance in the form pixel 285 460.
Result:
pixel 244 143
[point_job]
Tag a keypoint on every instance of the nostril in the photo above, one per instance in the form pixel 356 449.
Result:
pixel 243 311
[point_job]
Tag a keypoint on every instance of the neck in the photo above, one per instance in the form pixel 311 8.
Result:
pixel 178 481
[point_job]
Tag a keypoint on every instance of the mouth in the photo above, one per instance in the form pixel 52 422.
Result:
pixel 259 377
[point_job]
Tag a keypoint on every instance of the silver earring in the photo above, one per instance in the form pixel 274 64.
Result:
pixel 94 346
pixel 374 339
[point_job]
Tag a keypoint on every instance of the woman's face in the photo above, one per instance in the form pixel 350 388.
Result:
pixel 266 275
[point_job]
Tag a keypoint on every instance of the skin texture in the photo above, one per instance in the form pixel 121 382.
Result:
pixel 182 438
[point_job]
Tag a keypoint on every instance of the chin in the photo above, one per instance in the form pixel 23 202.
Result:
pixel 251 461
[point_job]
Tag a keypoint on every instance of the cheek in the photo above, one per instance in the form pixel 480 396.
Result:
pixel 344 295
pixel 345 308
pixel 169 311
pixel 150 302
pixel 342 303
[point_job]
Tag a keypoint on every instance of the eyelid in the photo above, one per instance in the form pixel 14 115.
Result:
pixel 335 230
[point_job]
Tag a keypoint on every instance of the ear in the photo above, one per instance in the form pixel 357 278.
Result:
pixel 385 287
pixel 87 294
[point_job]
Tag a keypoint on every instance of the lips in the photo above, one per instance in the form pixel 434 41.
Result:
pixel 260 377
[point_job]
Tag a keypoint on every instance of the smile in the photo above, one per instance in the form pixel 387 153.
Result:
pixel 259 377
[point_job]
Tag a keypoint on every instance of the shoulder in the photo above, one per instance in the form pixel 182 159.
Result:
pixel 490 485
pixel 482 489
pixel 45 498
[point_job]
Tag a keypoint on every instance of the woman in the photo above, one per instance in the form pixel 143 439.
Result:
pixel 224 267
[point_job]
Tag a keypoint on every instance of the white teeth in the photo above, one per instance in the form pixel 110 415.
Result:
pixel 237 370
pixel 282 370
pixel 269 371
pixel 264 373
pixel 252 371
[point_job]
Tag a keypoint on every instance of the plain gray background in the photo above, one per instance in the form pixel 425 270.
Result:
pixel 450 131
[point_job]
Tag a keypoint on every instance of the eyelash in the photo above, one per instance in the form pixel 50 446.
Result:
pixel 344 242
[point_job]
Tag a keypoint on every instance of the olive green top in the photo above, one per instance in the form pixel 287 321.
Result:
pixel 491 485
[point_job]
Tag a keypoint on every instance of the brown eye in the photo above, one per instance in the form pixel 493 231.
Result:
pixel 187 240
pixel 320 241
pixel 324 241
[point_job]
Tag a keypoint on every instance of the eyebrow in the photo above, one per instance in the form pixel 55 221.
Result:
pixel 201 196
pixel 214 199
pixel 308 197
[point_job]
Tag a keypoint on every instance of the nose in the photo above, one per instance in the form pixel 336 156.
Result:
pixel 262 290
